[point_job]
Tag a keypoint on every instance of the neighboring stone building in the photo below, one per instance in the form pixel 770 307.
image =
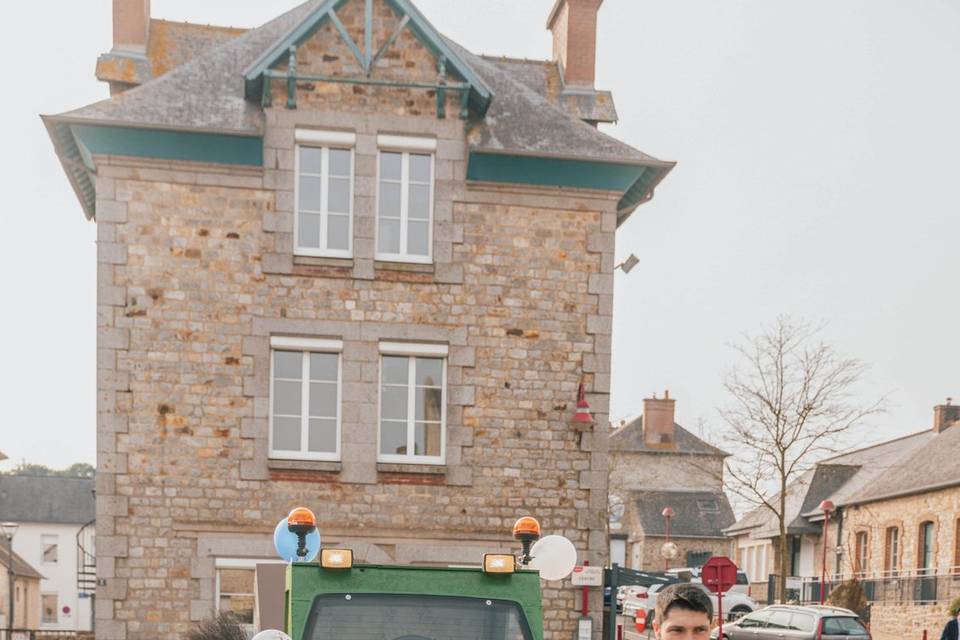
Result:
pixel 26 591
pixel 896 527
pixel 654 464
pixel 55 515
pixel 344 262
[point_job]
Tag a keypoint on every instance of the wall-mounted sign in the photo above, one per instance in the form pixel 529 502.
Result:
pixel 585 629
pixel 587 576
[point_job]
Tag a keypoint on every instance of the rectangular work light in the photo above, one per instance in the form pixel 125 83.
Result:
pixel 336 558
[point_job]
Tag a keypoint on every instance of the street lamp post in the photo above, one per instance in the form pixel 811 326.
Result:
pixel 9 529
pixel 826 506
pixel 667 515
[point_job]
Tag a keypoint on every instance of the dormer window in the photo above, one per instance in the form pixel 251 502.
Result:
pixel 324 193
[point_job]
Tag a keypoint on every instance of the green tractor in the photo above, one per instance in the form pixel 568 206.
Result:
pixel 331 598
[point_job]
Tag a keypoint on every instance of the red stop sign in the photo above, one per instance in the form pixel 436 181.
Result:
pixel 719 574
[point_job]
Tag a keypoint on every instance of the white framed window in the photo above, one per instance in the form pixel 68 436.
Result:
pixel 235 586
pixel 49 608
pixel 50 543
pixel 405 184
pixel 305 397
pixel 323 193
pixel 413 399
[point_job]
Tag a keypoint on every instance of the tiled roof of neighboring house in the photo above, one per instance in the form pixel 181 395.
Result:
pixel 697 514
pixel 630 438
pixel 760 520
pixel 207 94
pixel 923 462
pixel 52 499
pixel 21 567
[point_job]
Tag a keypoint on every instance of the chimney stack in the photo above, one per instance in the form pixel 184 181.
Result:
pixel 131 26
pixel 945 415
pixel 574 27
pixel 658 421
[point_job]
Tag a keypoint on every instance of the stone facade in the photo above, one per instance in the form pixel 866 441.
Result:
pixel 196 274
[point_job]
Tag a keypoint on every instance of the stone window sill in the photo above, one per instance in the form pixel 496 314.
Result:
pixel 317 261
pixel 304 465
pixel 422 469
pixel 414 267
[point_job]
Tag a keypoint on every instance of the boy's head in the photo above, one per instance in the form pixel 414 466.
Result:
pixel 684 612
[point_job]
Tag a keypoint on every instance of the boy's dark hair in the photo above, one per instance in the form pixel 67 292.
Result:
pixel 683 596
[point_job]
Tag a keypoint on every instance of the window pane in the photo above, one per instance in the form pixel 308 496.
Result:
pixel 389 206
pixel 393 403
pixel 340 162
pixel 390 164
pixel 429 372
pixel 286 434
pixel 309 231
pixel 310 189
pixel 323 399
pixel 338 232
pixel 50 608
pixel 393 437
pixel 388 240
pixel 427 439
pixel 311 158
pixel 395 369
pixel 801 622
pixel 338 198
pixel 419 167
pixel 49 544
pixel 323 366
pixel 428 404
pixel 323 436
pixel 286 398
pixel 287 364
pixel 418 238
pixel 419 202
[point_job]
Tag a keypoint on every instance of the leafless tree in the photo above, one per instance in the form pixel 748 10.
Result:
pixel 792 400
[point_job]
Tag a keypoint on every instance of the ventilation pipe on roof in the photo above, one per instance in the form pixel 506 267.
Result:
pixel 131 26
pixel 574 27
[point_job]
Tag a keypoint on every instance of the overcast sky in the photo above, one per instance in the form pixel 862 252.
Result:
pixel 817 144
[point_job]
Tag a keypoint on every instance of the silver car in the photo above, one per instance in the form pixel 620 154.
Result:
pixel 788 622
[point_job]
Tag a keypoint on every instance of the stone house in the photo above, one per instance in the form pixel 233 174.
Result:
pixel 345 263
pixel 655 464
pixel 895 527
pixel 55 517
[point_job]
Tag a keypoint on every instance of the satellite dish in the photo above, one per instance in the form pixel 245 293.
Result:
pixel 554 556
pixel 285 542
pixel 271 634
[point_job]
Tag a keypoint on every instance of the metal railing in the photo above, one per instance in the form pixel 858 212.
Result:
pixel 917 586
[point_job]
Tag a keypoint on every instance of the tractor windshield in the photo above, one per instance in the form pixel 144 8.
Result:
pixel 401 617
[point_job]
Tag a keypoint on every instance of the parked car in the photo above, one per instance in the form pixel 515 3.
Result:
pixel 735 605
pixel 742 586
pixel 779 622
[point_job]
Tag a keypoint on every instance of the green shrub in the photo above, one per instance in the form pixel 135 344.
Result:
pixel 224 627
pixel 849 595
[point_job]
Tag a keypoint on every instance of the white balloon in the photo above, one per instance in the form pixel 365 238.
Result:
pixel 554 556
pixel 271 634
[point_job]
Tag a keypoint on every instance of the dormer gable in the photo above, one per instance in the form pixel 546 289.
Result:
pixel 372 45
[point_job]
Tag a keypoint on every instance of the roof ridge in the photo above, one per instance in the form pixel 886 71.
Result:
pixel 876 445
pixel 200 24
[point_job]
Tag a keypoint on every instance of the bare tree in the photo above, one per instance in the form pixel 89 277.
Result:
pixel 792 399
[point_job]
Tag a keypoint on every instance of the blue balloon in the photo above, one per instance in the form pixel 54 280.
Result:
pixel 285 543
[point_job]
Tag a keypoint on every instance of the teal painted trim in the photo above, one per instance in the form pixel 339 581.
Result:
pixel 481 95
pixel 553 172
pixel 368 30
pixel 272 55
pixel 169 145
pixel 345 36
pixel 639 191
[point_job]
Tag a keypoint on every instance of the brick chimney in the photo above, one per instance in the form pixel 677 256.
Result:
pixel 574 27
pixel 658 421
pixel 131 26
pixel 945 415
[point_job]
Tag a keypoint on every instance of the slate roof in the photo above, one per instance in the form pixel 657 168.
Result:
pixel 923 461
pixel 697 514
pixel 207 94
pixel 21 567
pixel 49 499
pixel 629 438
